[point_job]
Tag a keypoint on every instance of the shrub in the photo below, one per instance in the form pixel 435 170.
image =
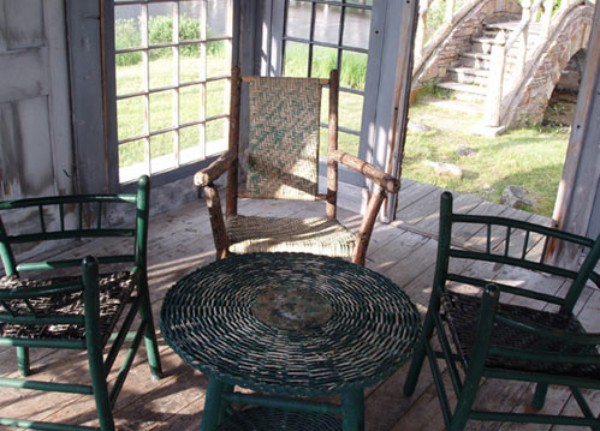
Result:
pixel 160 31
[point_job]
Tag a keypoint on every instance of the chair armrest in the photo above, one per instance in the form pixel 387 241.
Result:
pixel 385 181
pixel 217 168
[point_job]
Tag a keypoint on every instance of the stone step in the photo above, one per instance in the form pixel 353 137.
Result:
pixel 465 92
pixel 480 60
pixel 468 75
pixel 474 60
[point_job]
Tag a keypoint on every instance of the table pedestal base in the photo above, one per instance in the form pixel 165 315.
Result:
pixel 295 414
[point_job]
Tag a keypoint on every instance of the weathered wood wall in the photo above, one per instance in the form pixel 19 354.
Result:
pixel 35 139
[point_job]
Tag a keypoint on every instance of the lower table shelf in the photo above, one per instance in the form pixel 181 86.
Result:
pixel 264 419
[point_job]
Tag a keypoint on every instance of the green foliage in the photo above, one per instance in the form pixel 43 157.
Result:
pixel 160 31
pixel 352 75
pixel 127 35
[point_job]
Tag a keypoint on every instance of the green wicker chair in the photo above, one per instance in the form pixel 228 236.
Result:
pixel 282 163
pixel 504 308
pixel 59 306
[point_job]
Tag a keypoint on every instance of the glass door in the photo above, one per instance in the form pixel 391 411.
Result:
pixel 322 35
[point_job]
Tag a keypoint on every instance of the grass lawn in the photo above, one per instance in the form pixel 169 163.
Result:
pixel 532 158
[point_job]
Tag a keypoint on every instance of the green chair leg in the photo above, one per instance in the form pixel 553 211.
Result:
pixel 353 410
pixel 420 349
pixel 150 334
pixel 23 361
pixel 415 367
pixel 539 397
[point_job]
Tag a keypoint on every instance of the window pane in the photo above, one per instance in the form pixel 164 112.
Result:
pixel 357 24
pixel 216 137
pixel 190 64
pixel 327 24
pixel 298 20
pixel 130 112
pixel 348 143
pixel 162 110
pixel 190 142
pixel 354 70
pixel 324 60
pixel 217 18
pixel 218 63
pixel 216 98
pixel 190 103
pixel 130 73
pixel 132 161
pixel 131 153
pixel 161 67
pixel 127 27
pixel 350 110
pixel 162 155
pixel 363 2
pixel 190 21
pixel 296 59
pixel 160 23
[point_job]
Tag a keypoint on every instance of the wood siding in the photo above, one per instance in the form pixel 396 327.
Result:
pixel 35 146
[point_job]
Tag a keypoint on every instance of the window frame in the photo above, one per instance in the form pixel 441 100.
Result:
pixel 387 89
pixel 111 98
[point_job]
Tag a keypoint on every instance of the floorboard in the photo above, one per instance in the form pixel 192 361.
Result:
pixel 181 241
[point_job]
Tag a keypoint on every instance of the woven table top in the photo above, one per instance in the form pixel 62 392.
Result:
pixel 290 323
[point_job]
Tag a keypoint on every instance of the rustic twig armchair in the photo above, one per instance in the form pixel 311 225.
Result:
pixel 85 312
pixel 502 310
pixel 282 161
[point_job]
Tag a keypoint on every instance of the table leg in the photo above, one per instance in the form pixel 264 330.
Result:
pixel 353 410
pixel 213 405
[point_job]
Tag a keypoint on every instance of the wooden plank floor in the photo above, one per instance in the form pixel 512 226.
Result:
pixel 181 241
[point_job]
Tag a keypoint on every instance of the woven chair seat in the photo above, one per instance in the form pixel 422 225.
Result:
pixel 463 310
pixel 115 291
pixel 251 234
pixel 261 419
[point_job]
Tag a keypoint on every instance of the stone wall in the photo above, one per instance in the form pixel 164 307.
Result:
pixel 568 38
pixel 457 39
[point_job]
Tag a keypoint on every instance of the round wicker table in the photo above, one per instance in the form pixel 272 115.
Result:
pixel 288 325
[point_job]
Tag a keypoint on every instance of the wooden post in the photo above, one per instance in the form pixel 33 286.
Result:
pixel 495 82
pixel 547 17
pixel 449 11
pixel 421 30
pixel 332 165
pixel 522 52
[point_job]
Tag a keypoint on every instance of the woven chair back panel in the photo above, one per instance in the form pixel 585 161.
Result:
pixel 283 151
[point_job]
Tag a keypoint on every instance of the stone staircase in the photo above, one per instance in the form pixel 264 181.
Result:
pixel 467 78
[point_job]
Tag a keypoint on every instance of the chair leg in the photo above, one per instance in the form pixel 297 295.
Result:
pixel 149 333
pixel 23 363
pixel 419 355
pixel 100 389
pixel 353 410
pixel 539 397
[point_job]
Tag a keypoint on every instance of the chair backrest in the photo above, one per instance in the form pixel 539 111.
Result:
pixel 514 243
pixel 32 222
pixel 284 134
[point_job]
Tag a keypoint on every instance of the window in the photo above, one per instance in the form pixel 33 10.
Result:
pixel 324 35
pixel 172 66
